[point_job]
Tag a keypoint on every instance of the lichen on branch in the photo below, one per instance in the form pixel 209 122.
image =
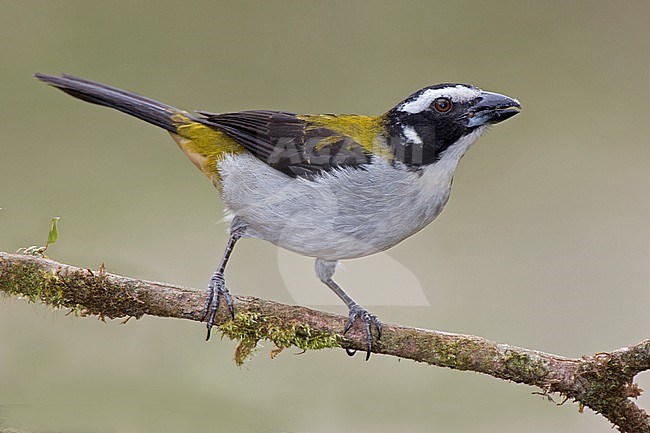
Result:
pixel 603 382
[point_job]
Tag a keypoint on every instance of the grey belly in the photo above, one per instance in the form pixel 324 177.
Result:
pixel 342 215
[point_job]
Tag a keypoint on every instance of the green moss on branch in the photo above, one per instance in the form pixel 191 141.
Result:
pixel 250 327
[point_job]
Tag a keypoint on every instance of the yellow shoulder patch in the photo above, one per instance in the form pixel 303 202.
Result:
pixel 203 145
pixel 206 146
pixel 368 131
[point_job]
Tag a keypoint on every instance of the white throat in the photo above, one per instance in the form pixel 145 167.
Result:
pixel 440 174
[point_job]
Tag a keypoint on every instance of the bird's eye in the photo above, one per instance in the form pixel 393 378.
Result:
pixel 442 105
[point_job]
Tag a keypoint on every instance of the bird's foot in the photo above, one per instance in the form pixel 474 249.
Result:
pixel 216 290
pixel 369 319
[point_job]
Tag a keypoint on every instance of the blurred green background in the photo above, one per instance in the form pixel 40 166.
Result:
pixel 545 242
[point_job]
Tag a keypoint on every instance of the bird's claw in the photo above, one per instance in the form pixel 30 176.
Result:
pixel 216 290
pixel 368 320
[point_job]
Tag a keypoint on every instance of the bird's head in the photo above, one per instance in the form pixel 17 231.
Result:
pixel 435 118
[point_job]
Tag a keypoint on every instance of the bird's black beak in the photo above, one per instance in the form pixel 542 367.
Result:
pixel 491 108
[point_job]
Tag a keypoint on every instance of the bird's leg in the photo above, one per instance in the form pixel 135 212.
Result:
pixel 325 270
pixel 217 286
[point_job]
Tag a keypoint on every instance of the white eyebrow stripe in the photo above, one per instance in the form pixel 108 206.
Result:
pixel 422 102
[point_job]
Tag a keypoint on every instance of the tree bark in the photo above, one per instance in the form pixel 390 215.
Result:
pixel 603 382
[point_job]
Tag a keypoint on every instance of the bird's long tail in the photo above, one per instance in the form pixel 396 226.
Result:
pixel 204 146
pixel 150 111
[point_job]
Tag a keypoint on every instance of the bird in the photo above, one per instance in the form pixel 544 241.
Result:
pixel 328 186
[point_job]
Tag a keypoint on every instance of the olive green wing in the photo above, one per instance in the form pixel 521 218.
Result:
pixel 297 145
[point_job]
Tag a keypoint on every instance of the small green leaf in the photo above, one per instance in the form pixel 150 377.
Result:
pixel 54 231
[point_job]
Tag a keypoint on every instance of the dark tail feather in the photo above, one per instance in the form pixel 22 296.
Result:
pixel 143 108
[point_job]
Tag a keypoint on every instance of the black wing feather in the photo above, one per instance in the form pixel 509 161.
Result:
pixel 288 143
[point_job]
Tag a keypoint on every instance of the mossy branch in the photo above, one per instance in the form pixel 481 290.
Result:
pixel 602 382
